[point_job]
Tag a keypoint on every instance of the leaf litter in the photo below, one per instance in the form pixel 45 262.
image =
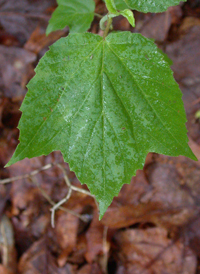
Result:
pixel 151 227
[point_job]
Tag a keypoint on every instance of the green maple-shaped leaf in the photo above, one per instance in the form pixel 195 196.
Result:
pixel 77 15
pixel 105 104
pixel 147 5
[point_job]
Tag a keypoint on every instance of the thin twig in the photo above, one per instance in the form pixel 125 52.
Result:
pixel 67 181
pixel 70 185
pixel 195 102
pixel 78 189
pixel 98 15
pixel 27 175
pixel 48 198
pixel 60 203
pixel 56 206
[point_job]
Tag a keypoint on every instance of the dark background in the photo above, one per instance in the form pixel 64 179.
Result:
pixel 153 226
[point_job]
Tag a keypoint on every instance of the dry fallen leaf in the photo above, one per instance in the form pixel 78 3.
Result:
pixel 90 269
pixel 38 259
pixel 15 70
pixel 94 236
pixel 4 270
pixel 20 18
pixel 7 245
pixel 158 26
pixel 145 199
pixel 66 235
pixel 151 251
pixel 38 39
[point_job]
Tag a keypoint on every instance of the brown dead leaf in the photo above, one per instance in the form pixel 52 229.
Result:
pixel 132 193
pixel 7 241
pixel 10 112
pixel 176 13
pixel 30 214
pixel 9 118
pixel 20 18
pixel 4 196
pixel 66 235
pixel 4 270
pixel 188 23
pixel 185 55
pixel 78 254
pixel 151 251
pixel 192 235
pixel 160 197
pixel 38 259
pixel 90 269
pixel 121 23
pixel 94 236
pixel 15 70
pixel 8 40
pixel 158 26
pixel 3 102
pixel 39 40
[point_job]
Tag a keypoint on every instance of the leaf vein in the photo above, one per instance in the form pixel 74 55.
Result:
pixel 72 76
pixel 144 95
pixel 126 111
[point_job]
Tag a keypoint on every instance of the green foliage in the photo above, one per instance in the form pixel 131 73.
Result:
pixel 77 15
pixel 103 102
pixel 113 12
pixel 147 5
pixel 128 14
pixel 121 5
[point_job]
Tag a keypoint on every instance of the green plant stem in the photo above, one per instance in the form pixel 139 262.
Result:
pixel 109 23
pixel 98 15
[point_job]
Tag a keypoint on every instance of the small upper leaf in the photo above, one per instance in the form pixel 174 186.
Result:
pixel 105 104
pixel 128 14
pixel 147 5
pixel 113 12
pixel 76 14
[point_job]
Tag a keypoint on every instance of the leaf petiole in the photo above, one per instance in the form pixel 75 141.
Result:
pixel 98 15
pixel 109 23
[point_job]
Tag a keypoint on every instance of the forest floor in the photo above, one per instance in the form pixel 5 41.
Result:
pixel 153 226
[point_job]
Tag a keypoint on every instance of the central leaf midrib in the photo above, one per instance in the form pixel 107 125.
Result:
pixel 123 159
pixel 103 118
pixel 126 111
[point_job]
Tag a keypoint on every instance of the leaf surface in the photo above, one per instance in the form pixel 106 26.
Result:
pixel 118 4
pixel 121 5
pixel 105 104
pixel 147 5
pixel 77 15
